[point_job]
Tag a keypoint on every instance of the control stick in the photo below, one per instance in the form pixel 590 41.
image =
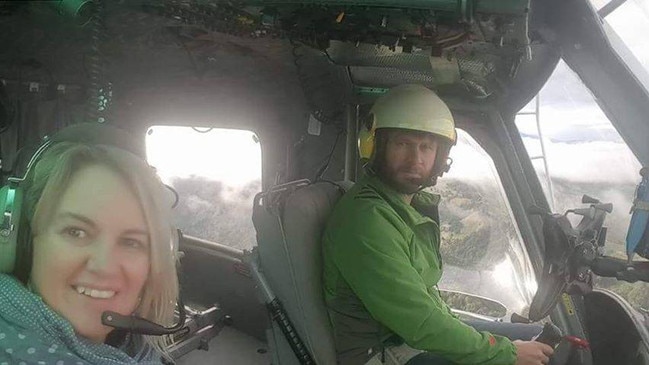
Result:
pixel 550 335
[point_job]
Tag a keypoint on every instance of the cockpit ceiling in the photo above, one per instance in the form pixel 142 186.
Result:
pixel 470 48
pixel 372 66
pixel 345 51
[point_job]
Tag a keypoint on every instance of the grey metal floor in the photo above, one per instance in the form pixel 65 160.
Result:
pixel 230 347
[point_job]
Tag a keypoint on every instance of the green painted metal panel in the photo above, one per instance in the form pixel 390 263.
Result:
pixel 455 6
pixel 502 6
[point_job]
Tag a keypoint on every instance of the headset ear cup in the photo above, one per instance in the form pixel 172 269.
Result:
pixel 366 140
pixel 11 199
pixel 442 161
pixel 365 143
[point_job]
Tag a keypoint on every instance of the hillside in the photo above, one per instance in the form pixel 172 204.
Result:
pixel 476 227
pixel 212 211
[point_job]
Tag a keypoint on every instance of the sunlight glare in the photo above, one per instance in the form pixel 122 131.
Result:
pixel 230 156
pixel 470 162
pixel 532 286
pixel 503 273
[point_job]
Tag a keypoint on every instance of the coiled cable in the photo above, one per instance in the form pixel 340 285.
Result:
pixel 94 111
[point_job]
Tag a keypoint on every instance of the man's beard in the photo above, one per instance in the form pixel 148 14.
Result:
pixel 406 186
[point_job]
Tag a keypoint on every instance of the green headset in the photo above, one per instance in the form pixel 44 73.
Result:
pixel 11 201
pixel 12 194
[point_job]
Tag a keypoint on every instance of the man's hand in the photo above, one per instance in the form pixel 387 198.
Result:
pixel 532 353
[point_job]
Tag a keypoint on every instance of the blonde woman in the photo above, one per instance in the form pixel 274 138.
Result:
pixel 96 235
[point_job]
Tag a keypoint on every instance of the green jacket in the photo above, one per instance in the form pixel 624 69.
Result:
pixel 381 269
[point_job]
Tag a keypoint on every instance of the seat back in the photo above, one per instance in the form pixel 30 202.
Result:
pixel 289 220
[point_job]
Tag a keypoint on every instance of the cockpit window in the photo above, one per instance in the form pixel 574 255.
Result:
pixel 626 27
pixel 598 4
pixel 216 173
pixel 481 246
pixel 576 150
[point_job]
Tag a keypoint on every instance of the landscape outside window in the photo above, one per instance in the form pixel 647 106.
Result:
pixel 585 155
pixel 216 173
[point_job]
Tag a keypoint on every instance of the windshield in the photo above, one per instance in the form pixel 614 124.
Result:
pixel 627 26
pixel 482 248
pixel 576 150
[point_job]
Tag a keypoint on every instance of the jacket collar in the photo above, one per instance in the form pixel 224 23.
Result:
pixel 423 208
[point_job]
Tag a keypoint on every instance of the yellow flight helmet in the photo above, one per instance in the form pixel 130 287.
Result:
pixel 410 106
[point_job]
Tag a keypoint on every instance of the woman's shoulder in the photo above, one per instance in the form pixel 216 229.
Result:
pixel 17 304
pixel 33 333
pixel 9 281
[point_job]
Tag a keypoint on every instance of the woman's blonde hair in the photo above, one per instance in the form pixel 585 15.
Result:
pixel 52 174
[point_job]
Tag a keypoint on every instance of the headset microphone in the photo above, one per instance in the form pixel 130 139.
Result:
pixel 141 326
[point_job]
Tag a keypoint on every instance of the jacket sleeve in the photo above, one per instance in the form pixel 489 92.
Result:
pixel 373 257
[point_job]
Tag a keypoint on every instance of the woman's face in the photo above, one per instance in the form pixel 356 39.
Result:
pixel 92 255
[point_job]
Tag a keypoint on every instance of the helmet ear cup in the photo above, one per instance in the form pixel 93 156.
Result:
pixel 11 201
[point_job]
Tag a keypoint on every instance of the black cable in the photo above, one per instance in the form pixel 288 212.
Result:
pixel 278 314
pixel 209 129
pixel 324 168
pixel 96 69
pixel 176 196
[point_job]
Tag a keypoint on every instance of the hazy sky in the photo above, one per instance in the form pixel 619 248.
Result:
pixel 631 22
pixel 564 91
pixel 581 143
pixel 230 156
